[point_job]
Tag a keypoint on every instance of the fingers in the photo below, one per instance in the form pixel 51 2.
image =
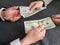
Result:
pixel 15 19
pixel 40 28
pixel 16 16
pixel 56 16
pixel 33 8
pixel 12 15
pixel 56 20
pixel 32 5
pixel 41 32
pixel 36 4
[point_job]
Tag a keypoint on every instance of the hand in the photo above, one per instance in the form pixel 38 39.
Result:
pixel 34 36
pixel 36 4
pixel 56 19
pixel 11 14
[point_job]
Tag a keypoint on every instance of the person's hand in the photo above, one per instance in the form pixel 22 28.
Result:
pixel 34 36
pixel 56 19
pixel 11 14
pixel 36 4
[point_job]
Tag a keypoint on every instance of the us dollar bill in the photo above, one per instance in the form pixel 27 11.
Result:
pixel 25 11
pixel 47 22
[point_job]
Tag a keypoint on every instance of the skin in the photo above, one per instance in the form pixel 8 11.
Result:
pixel 34 35
pixel 36 4
pixel 11 14
pixel 56 19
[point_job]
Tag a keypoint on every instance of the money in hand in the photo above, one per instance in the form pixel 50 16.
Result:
pixel 47 22
pixel 25 12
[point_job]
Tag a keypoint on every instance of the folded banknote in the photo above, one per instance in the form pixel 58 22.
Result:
pixel 25 12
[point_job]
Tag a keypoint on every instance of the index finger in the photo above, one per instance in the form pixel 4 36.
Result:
pixel 32 5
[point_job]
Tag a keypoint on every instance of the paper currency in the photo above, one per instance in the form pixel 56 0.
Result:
pixel 47 22
pixel 25 12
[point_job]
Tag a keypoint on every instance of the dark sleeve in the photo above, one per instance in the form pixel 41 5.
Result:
pixel 5 44
pixel 8 44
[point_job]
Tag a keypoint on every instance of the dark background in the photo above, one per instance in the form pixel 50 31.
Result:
pixel 10 31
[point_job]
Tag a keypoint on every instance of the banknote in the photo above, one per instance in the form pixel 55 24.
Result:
pixel 47 22
pixel 25 12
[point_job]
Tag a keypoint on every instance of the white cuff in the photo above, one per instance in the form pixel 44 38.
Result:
pixel 15 42
pixel 47 2
pixel 1 15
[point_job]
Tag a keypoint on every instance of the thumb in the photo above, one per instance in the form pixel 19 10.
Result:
pixel 40 28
